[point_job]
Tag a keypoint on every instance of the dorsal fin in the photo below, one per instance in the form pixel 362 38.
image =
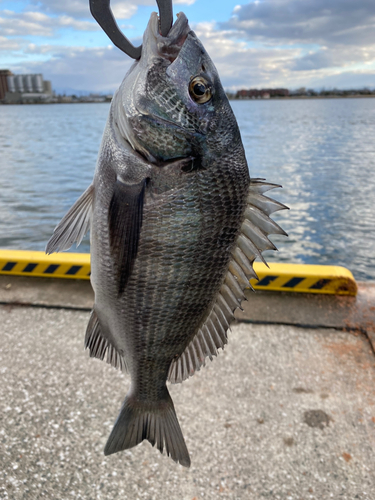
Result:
pixel 251 242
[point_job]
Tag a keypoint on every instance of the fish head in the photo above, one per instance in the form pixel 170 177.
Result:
pixel 171 103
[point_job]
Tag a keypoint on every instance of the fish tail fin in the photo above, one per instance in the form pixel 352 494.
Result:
pixel 156 421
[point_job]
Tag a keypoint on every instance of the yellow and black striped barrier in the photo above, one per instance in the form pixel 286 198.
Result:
pixel 304 278
pixel 57 265
pixel 334 280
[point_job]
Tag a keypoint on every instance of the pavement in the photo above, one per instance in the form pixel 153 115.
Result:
pixel 283 412
pixel 345 312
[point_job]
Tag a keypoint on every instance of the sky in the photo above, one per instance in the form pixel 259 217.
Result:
pixel 257 44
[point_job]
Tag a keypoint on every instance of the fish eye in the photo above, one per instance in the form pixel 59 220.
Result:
pixel 200 90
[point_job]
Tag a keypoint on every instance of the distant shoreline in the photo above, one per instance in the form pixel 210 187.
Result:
pixel 284 98
pixel 291 98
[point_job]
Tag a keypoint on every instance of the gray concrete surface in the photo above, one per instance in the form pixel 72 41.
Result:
pixel 314 310
pixel 283 413
pixel 49 292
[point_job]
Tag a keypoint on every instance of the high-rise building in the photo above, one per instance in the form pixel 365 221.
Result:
pixel 4 73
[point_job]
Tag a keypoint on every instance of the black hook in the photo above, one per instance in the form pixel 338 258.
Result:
pixel 102 13
pixel 165 16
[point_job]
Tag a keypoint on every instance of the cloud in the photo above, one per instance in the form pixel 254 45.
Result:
pixel 7 44
pixel 268 61
pixel 355 79
pixel 290 66
pixel 122 9
pixel 99 69
pixel 335 57
pixel 242 66
pixel 314 60
pixel 102 69
pixel 38 24
pixel 341 33
pixel 307 21
pixel 73 8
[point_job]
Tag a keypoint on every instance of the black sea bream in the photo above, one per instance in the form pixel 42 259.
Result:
pixel 175 226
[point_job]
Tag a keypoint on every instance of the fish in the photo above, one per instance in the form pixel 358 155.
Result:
pixel 175 225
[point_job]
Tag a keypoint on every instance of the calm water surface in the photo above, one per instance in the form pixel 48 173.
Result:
pixel 321 151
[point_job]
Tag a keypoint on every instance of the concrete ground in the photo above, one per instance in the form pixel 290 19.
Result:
pixel 283 413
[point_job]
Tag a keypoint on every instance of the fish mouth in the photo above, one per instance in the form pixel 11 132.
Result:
pixel 168 47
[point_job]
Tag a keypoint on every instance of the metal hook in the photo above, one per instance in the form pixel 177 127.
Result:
pixel 102 13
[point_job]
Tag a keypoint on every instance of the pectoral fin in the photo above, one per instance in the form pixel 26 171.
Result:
pixel 125 222
pixel 74 225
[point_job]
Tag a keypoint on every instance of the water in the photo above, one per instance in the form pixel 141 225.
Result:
pixel 321 151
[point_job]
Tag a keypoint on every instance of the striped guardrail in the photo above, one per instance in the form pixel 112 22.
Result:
pixel 57 265
pixel 304 278
pixel 300 278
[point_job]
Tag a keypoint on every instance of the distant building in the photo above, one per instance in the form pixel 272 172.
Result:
pixel 263 93
pixel 93 98
pixel 22 89
pixel 65 99
pixel 47 87
pixel 4 73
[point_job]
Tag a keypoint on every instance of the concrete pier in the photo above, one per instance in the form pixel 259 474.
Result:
pixel 284 412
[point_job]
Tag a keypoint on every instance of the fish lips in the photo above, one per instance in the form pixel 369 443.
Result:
pixel 156 45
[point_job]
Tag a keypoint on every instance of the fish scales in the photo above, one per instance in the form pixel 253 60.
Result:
pixel 182 260
pixel 175 225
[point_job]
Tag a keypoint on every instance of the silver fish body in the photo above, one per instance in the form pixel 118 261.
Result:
pixel 175 226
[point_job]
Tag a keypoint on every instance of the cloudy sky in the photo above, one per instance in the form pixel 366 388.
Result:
pixel 261 43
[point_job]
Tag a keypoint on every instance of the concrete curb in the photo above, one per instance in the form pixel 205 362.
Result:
pixel 51 292
pixel 314 311
pixel 356 313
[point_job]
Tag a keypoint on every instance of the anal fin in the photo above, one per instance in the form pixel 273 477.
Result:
pixel 100 347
